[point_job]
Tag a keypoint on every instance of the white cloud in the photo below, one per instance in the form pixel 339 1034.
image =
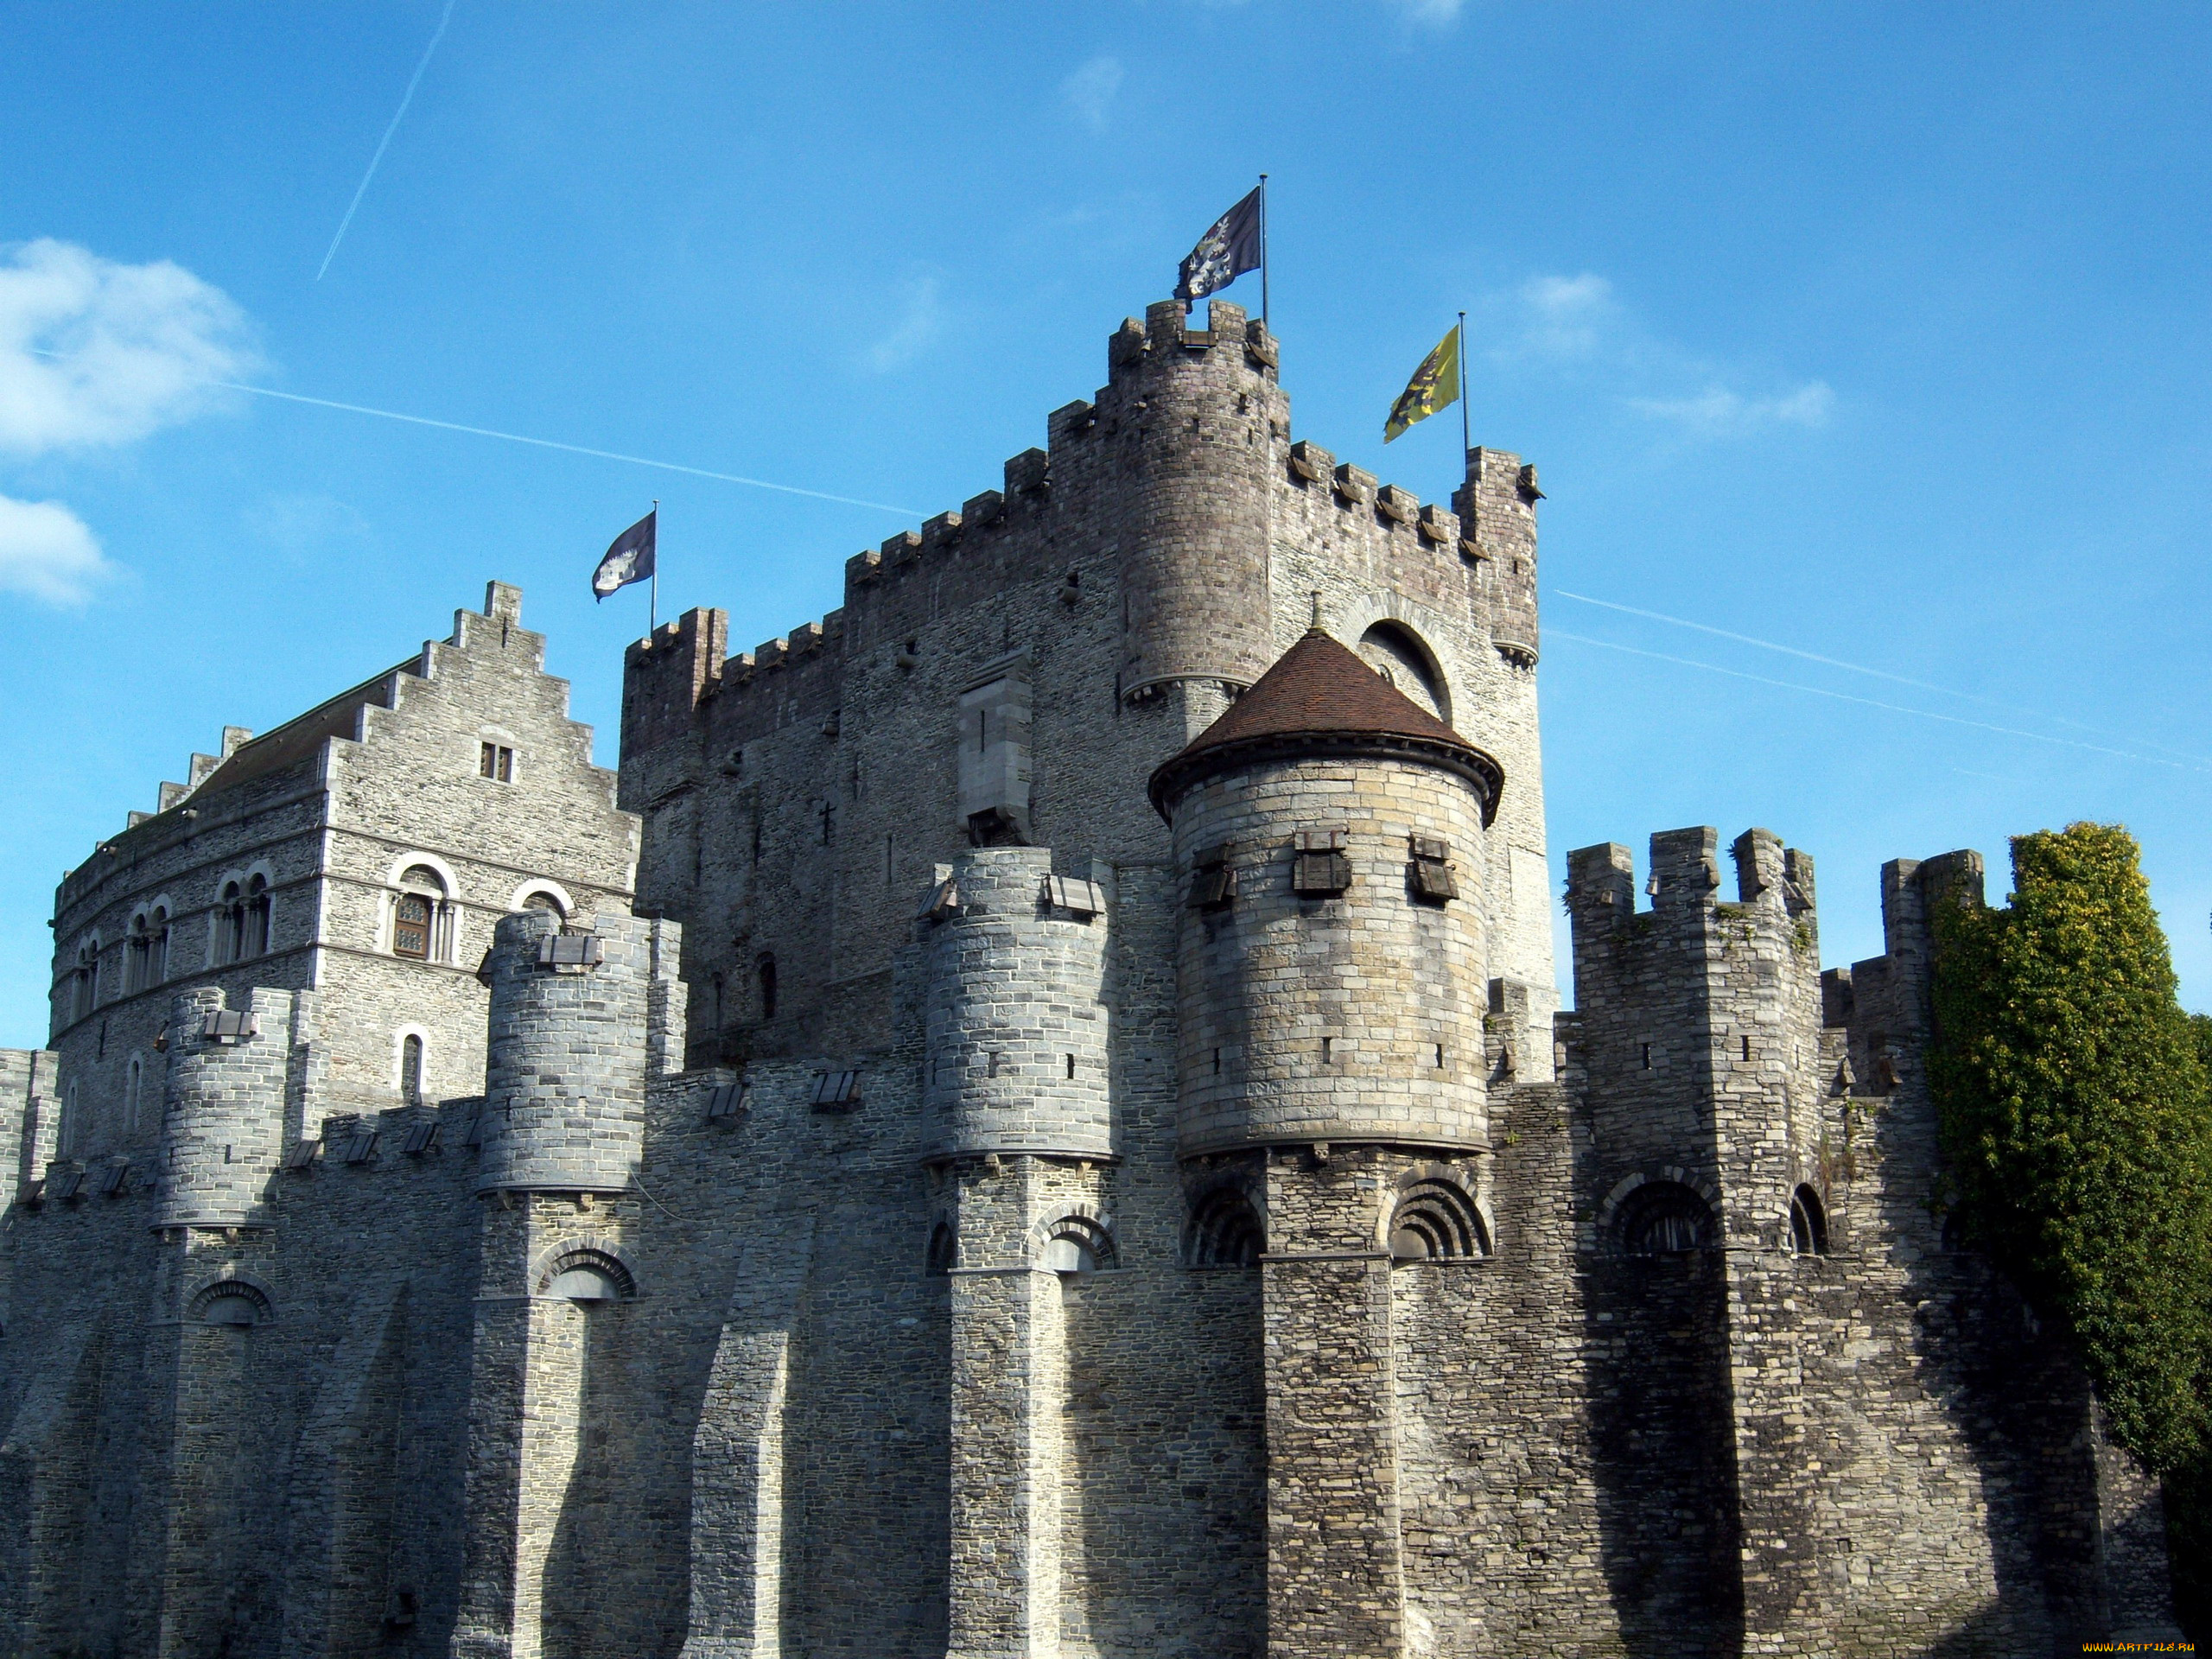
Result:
pixel 1564 316
pixel 1434 13
pixel 1090 91
pixel 1577 329
pixel 917 328
pixel 1719 412
pixel 132 347
pixel 48 552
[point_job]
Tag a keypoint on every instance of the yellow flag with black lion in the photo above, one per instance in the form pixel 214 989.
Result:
pixel 1436 385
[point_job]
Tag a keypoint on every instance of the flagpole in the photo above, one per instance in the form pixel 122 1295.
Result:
pixel 1466 442
pixel 652 587
pixel 1263 249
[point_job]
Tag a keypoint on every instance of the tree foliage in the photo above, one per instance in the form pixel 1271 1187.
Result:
pixel 2077 1124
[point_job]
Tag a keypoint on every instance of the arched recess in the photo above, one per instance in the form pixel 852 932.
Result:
pixel 1226 1229
pixel 1664 1217
pixel 1394 650
pixel 535 893
pixel 580 1272
pixel 943 1253
pixel 1078 1240
pixel 1436 1216
pixel 235 1301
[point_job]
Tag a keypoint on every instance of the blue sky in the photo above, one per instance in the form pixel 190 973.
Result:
pixel 1878 333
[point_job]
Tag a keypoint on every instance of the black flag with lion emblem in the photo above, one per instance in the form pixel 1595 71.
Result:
pixel 1224 253
pixel 631 558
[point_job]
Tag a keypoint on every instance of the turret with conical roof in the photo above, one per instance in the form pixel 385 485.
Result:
pixel 1331 970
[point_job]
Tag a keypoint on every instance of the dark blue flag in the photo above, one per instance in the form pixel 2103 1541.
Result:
pixel 631 558
pixel 1224 253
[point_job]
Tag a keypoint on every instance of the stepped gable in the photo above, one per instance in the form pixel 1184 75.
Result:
pixel 1321 697
pixel 303 736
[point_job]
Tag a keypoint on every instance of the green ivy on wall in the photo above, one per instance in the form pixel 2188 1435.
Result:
pixel 2077 1128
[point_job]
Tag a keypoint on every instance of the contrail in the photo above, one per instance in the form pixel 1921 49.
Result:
pixel 536 443
pixel 413 81
pixel 1851 668
pixel 570 448
pixel 1871 703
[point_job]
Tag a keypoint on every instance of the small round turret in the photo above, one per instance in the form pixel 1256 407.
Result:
pixel 1331 967
pixel 223 1112
pixel 1198 422
pixel 1017 1059
pixel 565 1084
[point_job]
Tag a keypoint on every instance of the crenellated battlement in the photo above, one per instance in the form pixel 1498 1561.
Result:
pixel 1190 419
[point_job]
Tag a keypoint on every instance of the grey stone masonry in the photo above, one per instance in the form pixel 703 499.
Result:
pixel 565 1090
pixel 1352 1014
pixel 223 1123
pixel 1030 1121
pixel 1017 1059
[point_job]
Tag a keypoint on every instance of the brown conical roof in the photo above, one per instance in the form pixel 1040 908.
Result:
pixel 1320 696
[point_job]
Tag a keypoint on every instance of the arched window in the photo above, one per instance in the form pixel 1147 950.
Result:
pixel 1224 1231
pixel 767 987
pixel 85 983
pixel 71 1128
pixel 420 916
pixel 253 928
pixel 1663 1218
pixel 230 923
pixel 538 899
pixel 945 1248
pixel 1404 660
pixel 1436 1221
pixel 411 1069
pixel 133 1087
pixel 157 946
pixel 1809 1222
pixel 136 956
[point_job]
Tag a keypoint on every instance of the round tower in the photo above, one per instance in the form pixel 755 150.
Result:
pixel 1194 424
pixel 1332 969
pixel 565 1080
pixel 1017 1051
pixel 223 1110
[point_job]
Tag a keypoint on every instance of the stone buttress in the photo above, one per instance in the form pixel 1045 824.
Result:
pixel 1016 1094
pixel 215 1283
pixel 580 1020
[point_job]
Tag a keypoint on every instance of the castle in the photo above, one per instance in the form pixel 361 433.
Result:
pixel 1028 1121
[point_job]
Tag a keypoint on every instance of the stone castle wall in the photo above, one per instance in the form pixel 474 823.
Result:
pixel 855 1249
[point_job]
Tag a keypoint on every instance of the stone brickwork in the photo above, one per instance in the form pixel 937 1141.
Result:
pixel 1039 1128
pixel 1018 1059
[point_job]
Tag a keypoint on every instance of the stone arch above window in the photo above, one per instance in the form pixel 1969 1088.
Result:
pixel 541 893
pixel 1225 1230
pixel 238 1303
pixel 1809 1222
pixel 1437 1218
pixel 1078 1240
pixel 585 1272
pixel 1401 656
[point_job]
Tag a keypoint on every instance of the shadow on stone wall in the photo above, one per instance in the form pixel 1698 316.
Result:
pixel 1656 1364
